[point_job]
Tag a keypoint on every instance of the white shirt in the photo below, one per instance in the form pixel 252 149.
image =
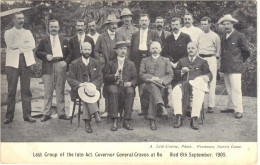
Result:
pixel 155 57
pixel 194 57
pixel 143 39
pixel 85 61
pixel 120 62
pixel 19 41
pixel 81 38
pixel 56 46
pixel 229 34
pixel 94 37
pixel 176 36
pixel 111 34
pixel 193 32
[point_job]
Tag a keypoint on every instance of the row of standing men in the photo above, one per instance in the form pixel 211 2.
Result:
pixel 56 53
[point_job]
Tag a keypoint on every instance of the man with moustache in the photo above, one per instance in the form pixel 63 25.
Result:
pixel 77 40
pixel 92 27
pixel 139 49
pixel 19 57
pixel 121 77
pixel 190 69
pixel 125 32
pixel 235 51
pixel 189 29
pixel 104 50
pixel 157 73
pixel 209 49
pixel 159 23
pixel 82 71
pixel 55 53
pixel 176 44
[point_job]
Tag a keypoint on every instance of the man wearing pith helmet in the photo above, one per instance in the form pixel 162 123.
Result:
pixel 235 51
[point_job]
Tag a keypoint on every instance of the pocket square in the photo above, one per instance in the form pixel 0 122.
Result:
pixel 94 69
pixel 233 43
pixel 65 46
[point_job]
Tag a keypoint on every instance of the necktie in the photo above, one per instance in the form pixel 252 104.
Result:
pixel 80 47
pixel 120 64
pixel 191 59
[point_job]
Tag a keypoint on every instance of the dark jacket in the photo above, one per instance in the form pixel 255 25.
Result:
pixel 161 68
pixel 235 51
pixel 104 49
pixel 75 47
pixel 79 73
pixel 176 49
pixel 44 48
pixel 163 37
pixel 197 68
pixel 133 50
pixel 129 73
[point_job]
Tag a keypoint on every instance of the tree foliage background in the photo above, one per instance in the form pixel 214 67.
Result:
pixel 67 12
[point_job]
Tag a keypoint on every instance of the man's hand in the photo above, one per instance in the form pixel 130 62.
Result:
pixel 157 79
pixel 83 84
pixel 205 77
pixel 174 65
pixel 185 70
pixel 49 57
pixel 127 84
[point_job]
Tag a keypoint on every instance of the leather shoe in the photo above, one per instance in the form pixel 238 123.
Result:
pixel 194 123
pixel 30 119
pixel 97 117
pixel 210 110
pixel 227 111
pixel 114 126
pixel 45 118
pixel 153 125
pixel 127 125
pixel 141 114
pixel 64 117
pixel 104 115
pixel 164 112
pixel 179 121
pixel 238 115
pixel 88 127
pixel 8 120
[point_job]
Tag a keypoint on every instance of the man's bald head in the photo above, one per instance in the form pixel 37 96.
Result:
pixel 86 49
pixel 155 48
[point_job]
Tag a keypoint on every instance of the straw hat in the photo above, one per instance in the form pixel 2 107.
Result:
pixel 227 17
pixel 120 44
pixel 200 83
pixel 89 93
pixel 126 12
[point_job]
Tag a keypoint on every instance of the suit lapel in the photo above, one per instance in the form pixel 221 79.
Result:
pixel 125 64
pixel 76 39
pixel 149 37
pixel 49 43
pixel 61 42
pixel 138 38
pixel 233 33
pixel 115 64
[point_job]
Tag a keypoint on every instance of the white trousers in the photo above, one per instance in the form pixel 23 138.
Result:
pixel 212 61
pixel 233 85
pixel 198 97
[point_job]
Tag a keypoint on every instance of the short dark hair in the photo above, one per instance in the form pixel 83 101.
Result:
pixel 80 20
pixel 54 20
pixel 144 15
pixel 159 17
pixel 176 19
pixel 206 19
pixel 189 14
pixel 91 20
pixel 17 13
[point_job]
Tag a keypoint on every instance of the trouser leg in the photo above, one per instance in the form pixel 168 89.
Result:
pixel 198 97
pixel 229 90
pixel 89 109
pixel 177 100
pixel 25 80
pixel 142 101
pixel 128 102
pixel 235 81
pixel 156 93
pixel 12 75
pixel 152 110
pixel 48 82
pixel 212 61
pixel 60 79
pixel 113 92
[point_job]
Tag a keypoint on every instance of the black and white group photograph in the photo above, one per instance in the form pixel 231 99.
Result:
pixel 128 71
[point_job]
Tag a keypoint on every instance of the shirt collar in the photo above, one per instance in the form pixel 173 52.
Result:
pixel 83 35
pixel 85 61
pixel 145 31
pixel 120 58
pixel 177 35
pixel 155 57
pixel 194 57
pixel 109 32
pixel 230 33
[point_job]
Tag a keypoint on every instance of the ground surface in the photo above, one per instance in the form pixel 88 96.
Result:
pixel 217 127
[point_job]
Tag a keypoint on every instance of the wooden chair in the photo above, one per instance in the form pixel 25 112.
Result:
pixel 77 102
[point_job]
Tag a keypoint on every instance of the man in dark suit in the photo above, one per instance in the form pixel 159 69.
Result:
pixel 81 71
pixel 104 50
pixel 176 44
pixel 159 24
pixel 235 51
pixel 77 40
pixel 55 53
pixel 139 48
pixel 190 68
pixel 121 77
pixel 156 69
